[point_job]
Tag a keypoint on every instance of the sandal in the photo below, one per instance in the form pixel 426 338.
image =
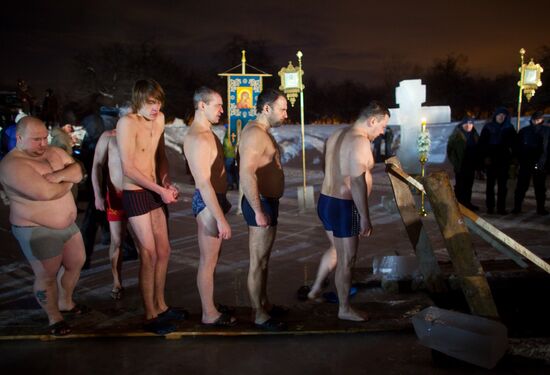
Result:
pixel 172 313
pixel 60 328
pixel 116 293
pixel 272 325
pixel 158 326
pixel 78 309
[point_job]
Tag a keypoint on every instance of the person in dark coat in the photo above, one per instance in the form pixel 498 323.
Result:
pixel 532 153
pixel 496 141
pixel 463 154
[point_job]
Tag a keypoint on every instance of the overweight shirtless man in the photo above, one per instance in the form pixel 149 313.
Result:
pixel 204 152
pixel 343 204
pixel 108 185
pixel 37 179
pixel 140 139
pixel 262 181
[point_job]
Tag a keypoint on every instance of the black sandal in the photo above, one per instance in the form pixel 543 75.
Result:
pixel 60 328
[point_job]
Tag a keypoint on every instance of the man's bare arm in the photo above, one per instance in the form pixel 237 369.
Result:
pixel 360 165
pixel 162 164
pixel 250 151
pixel 100 157
pixel 200 165
pixel 24 181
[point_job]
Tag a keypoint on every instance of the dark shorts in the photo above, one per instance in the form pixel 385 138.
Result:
pixel 113 206
pixel 270 206
pixel 140 202
pixel 339 216
pixel 40 243
pixel 197 204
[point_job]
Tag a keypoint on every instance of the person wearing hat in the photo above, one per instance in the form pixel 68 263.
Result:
pixel 532 153
pixel 496 141
pixel 463 154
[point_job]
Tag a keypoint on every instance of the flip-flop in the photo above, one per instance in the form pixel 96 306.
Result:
pixel 303 292
pixel 277 311
pixel 332 297
pixel 225 320
pixel 172 313
pixel 116 293
pixel 78 309
pixel 158 326
pixel 60 328
pixel 272 325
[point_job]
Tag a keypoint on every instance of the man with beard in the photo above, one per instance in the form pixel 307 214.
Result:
pixel 262 181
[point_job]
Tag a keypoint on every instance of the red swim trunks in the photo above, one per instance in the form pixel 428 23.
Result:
pixel 113 206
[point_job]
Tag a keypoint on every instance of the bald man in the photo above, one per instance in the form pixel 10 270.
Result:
pixel 37 179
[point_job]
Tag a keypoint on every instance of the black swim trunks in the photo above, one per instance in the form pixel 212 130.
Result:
pixel 140 202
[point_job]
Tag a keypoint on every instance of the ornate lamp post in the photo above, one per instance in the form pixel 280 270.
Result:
pixel 529 80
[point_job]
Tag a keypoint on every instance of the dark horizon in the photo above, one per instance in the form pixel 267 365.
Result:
pixel 352 41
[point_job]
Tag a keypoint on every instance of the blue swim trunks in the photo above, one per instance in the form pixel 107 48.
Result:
pixel 270 206
pixel 197 204
pixel 339 216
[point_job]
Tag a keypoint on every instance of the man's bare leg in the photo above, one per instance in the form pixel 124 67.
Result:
pixel 326 266
pixel 72 260
pixel 209 245
pixel 260 243
pixel 118 229
pixel 45 286
pixel 162 248
pixel 346 250
pixel 143 230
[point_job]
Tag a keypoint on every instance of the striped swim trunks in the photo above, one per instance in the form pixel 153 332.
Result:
pixel 139 202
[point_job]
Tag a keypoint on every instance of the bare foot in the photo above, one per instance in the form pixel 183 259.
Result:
pixel 354 316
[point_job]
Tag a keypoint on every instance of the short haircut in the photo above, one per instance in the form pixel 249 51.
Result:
pixel 145 89
pixel 23 123
pixel 203 94
pixel 374 109
pixel 268 97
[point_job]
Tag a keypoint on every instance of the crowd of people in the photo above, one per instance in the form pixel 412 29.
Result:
pixel 130 187
pixel 130 182
pixel 501 153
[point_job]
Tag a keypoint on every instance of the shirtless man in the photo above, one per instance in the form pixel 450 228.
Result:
pixel 140 139
pixel 262 181
pixel 204 152
pixel 108 197
pixel 38 179
pixel 343 204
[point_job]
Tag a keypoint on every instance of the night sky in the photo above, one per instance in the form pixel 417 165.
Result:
pixel 342 39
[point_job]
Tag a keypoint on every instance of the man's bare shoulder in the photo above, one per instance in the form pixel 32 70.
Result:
pixel 253 132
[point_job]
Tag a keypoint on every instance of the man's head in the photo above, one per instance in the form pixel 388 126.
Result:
pixel 209 102
pixel 376 116
pixel 468 124
pixel 501 114
pixel 537 118
pixel 32 136
pixel 147 98
pixel 272 105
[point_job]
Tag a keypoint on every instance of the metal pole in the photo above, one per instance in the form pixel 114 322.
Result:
pixel 521 53
pixel 300 54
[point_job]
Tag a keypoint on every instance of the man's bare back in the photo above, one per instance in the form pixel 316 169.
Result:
pixel 270 176
pixel 32 200
pixel 343 148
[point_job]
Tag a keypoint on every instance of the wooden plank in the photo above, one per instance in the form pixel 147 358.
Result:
pixel 404 199
pixel 506 240
pixel 482 226
pixel 459 245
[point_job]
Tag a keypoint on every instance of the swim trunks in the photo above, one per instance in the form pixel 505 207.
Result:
pixel 40 243
pixel 139 202
pixel 339 216
pixel 197 204
pixel 270 206
pixel 113 205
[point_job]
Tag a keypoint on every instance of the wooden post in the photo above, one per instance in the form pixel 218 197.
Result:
pixel 415 230
pixel 459 245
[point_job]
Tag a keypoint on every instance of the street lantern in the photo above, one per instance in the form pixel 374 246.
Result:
pixel 529 80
